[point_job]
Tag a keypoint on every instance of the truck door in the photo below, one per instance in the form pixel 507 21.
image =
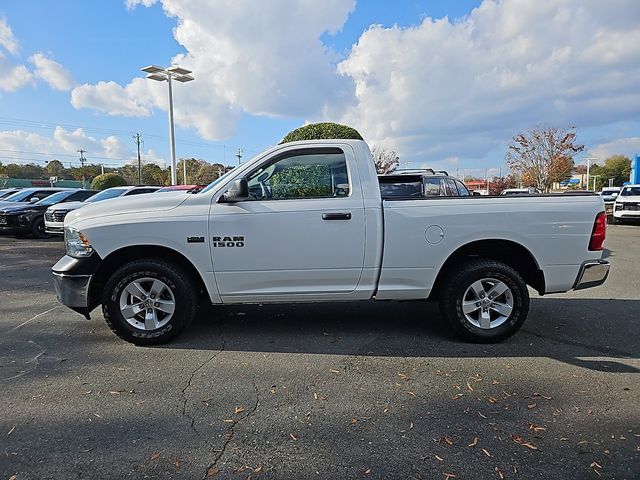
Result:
pixel 301 233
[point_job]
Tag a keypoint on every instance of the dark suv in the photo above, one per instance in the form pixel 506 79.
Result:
pixel 421 183
pixel 23 218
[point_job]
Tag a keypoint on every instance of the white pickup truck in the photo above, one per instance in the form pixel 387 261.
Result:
pixel 305 222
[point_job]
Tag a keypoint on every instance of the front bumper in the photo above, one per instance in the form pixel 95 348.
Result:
pixel 72 279
pixel 592 273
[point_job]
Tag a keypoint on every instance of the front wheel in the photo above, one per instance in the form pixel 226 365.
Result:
pixel 485 301
pixel 37 228
pixel 149 302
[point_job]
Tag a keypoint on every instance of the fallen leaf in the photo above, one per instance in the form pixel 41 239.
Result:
pixel 385 410
pixel 440 459
pixel 88 392
pixel 13 477
pixel 481 415
pixel 564 439
pixel 499 473
pixel 212 472
pixel 315 396
pixel 115 392
pixel 238 410
pixel 155 456
pixel 367 471
pixel 177 463
pixel 486 452
pixel 492 400
pixel 447 476
pixel 469 387
pixel 458 396
pixel 257 469
pixel 403 376
pixel 594 464
pixel 334 371
pixel 447 440
pixel 536 428
pixel 410 425
pixel 412 394
pixel 228 420
pixel 293 437
pixel 474 442
pixel 521 441
pixel 11 431
pixel 532 405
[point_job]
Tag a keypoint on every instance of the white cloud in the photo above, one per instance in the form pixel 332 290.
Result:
pixel 463 88
pixel 51 72
pixel 134 100
pixel 264 58
pixel 7 40
pixel 24 147
pixel 13 77
pixel 629 146
pixel 131 4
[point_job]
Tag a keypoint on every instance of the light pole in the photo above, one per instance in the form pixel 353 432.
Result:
pixel 588 159
pixel 168 74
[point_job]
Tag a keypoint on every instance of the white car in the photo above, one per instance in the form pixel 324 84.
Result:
pixel 627 204
pixel 609 194
pixel 305 222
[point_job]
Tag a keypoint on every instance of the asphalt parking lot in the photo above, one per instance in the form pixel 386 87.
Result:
pixel 357 390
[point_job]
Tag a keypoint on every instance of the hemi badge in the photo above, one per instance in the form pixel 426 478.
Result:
pixel 195 239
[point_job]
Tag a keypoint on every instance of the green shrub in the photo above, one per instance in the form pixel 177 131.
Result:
pixel 299 181
pixel 322 131
pixel 107 180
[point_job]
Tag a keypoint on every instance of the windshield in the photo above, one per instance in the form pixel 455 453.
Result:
pixel 18 196
pixel 53 199
pixel 216 181
pixel 631 192
pixel 105 194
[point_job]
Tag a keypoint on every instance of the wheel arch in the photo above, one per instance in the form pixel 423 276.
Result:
pixel 119 257
pixel 507 251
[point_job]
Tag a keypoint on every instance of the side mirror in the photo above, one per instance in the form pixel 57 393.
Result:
pixel 34 200
pixel 237 192
pixel 476 193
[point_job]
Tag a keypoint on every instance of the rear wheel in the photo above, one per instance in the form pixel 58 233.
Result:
pixel 148 302
pixel 485 301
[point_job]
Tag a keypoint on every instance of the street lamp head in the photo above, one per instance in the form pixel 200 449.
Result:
pixel 178 70
pixel 157 76
pixel 152 69
pixel 184 78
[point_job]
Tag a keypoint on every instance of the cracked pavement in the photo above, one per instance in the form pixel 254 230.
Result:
pixel 352 390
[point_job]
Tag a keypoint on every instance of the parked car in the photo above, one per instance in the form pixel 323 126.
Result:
pixel 30 195
pixel 54 216
pixel 627 204
pixel 425 183
pixel 521 191
pixel 178 188
pixel 28 218
pixel 5 192
pixel 609 194
pixel 306 222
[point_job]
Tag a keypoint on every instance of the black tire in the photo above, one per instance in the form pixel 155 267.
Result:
pixel 37 228
pixel 182 289
pixel 456 285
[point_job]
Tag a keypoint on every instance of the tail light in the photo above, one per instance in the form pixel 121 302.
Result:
pixel 599 232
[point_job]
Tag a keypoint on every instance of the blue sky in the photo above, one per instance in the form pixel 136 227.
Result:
pixel 448 93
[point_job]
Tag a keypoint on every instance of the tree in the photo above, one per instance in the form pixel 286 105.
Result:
pixel 498 184
pixel 386 160
pixel 153 174
pixel 322 131
pixel 55 168
pixel 617 167
pixel 543 155
pixel 107 180
pixel 193 166
pixel 208 173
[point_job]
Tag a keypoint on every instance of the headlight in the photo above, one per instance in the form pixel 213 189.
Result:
pixel 619 206
pixel 76 243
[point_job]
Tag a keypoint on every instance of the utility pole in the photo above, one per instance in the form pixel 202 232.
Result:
pixel 136 138
pixel 239 155
pixel 82 160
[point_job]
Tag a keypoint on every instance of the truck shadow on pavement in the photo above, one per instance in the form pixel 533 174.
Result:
pixel 601 335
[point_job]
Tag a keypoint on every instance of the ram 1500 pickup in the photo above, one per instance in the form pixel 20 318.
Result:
pixel 305 222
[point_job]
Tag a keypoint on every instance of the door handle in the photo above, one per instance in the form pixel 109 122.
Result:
pixel 336 216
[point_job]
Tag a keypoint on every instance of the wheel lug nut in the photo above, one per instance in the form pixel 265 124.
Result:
pixel 156 304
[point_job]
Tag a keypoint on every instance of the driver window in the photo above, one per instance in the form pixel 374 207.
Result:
pixel 317 173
